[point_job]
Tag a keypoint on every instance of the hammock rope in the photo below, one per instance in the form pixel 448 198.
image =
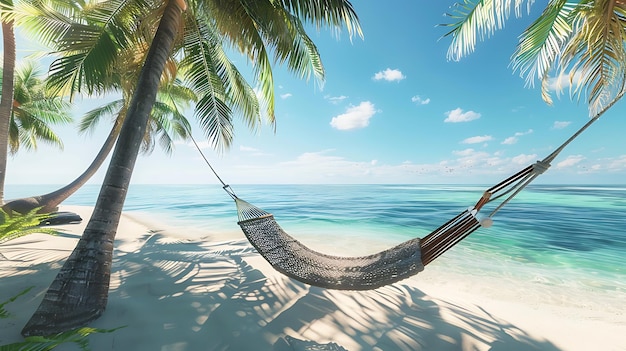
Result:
pixel 292 258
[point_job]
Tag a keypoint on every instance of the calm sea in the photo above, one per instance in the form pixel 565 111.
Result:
pixel 571 237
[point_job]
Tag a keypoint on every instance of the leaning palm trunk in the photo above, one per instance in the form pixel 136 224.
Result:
pixel 6 102
pixel 80 291
pixel 49 202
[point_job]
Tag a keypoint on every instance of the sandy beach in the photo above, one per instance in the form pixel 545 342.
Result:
pixel 174 292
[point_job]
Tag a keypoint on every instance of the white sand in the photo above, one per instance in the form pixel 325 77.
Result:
pixel 173 293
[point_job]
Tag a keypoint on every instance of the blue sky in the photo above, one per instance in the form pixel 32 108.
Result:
pixel 393 109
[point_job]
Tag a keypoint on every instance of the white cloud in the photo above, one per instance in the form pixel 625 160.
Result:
pixel 561 124
pixel 389 75
pixel 524 159
pixel 203 144
pixel 355 117
pixel 564 80
pixel 285 96
pixel 248 149
pixel 418 100
pixel 464 152
pixel 335 99
pixel 570 161
pixel 457 115
pixel 618 164
pixel 467 166
pixel 513 139
pixel 509 141
pixel 477 139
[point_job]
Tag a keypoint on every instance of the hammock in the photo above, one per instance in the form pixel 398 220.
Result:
pixel 292 258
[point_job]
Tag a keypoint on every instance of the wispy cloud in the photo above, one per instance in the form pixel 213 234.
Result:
pixel 563 81
pixel 468 165
pixel 513 139
pixel 285 96
pixel 617 164
pixel 335 99
pixel 524 159
pixel 570 161
pixel 477 139
pixel 248 149
pixel 355 117
pixel 202 144
pixel 420 101
pixel 389 75
pixel 457 115
pixel 561 124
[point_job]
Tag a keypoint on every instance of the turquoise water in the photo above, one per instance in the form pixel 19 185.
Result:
pixel 558 236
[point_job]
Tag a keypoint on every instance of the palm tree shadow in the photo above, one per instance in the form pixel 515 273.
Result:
pixel 203 296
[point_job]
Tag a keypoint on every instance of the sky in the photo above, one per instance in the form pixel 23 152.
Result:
pixel 392 109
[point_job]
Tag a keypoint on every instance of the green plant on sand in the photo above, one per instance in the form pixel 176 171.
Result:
pixel 14 225
pixel 40 343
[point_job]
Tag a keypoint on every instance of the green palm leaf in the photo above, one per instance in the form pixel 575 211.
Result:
pixel 478 20
pixel 92 118
pixel 15 225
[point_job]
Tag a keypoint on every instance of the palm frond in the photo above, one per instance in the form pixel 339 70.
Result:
pixel 45 343
pixel 91 119
pixel 48 21
pixel 216 121
pixel 596 55
pixel 476 20
pixel 14 225
pixel 3 312
pixel 542 42
pixel 336 13
pixel 14 136
pixel 90 46
pixel 205 57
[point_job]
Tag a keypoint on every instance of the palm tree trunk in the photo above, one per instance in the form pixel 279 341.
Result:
pixel 49 202
pixel 80 291
pixel 6 102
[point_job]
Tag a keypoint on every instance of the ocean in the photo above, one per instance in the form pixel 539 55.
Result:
pixel 556 242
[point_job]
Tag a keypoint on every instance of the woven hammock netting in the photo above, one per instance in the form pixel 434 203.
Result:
pixel 290 257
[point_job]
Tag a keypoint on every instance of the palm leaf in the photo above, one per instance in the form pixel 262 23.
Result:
pixel 333 13
pixel 478 19
pixel 3 312
pixel 209 70
pixel 45 343
pixel 15 225
pixel 596 52
pixel 90 120
pixel 90 46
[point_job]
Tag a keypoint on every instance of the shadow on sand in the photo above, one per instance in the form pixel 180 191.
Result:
pixel 180 295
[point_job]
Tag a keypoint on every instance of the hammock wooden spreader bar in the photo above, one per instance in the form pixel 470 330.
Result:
pixel 448 235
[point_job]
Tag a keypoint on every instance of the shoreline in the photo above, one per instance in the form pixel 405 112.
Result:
pixel 176 291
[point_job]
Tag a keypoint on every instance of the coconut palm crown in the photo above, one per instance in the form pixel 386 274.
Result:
pixel 583 40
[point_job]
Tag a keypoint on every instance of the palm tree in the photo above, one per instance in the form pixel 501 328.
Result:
pixel 166 123
pixel 55 20
pixel 8 75
pixel 33 111
pixel 6 101
pixel 583 39
pixel 31 114
pixel 79 292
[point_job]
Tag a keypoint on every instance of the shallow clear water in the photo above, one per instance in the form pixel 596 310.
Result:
pixel 571 237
